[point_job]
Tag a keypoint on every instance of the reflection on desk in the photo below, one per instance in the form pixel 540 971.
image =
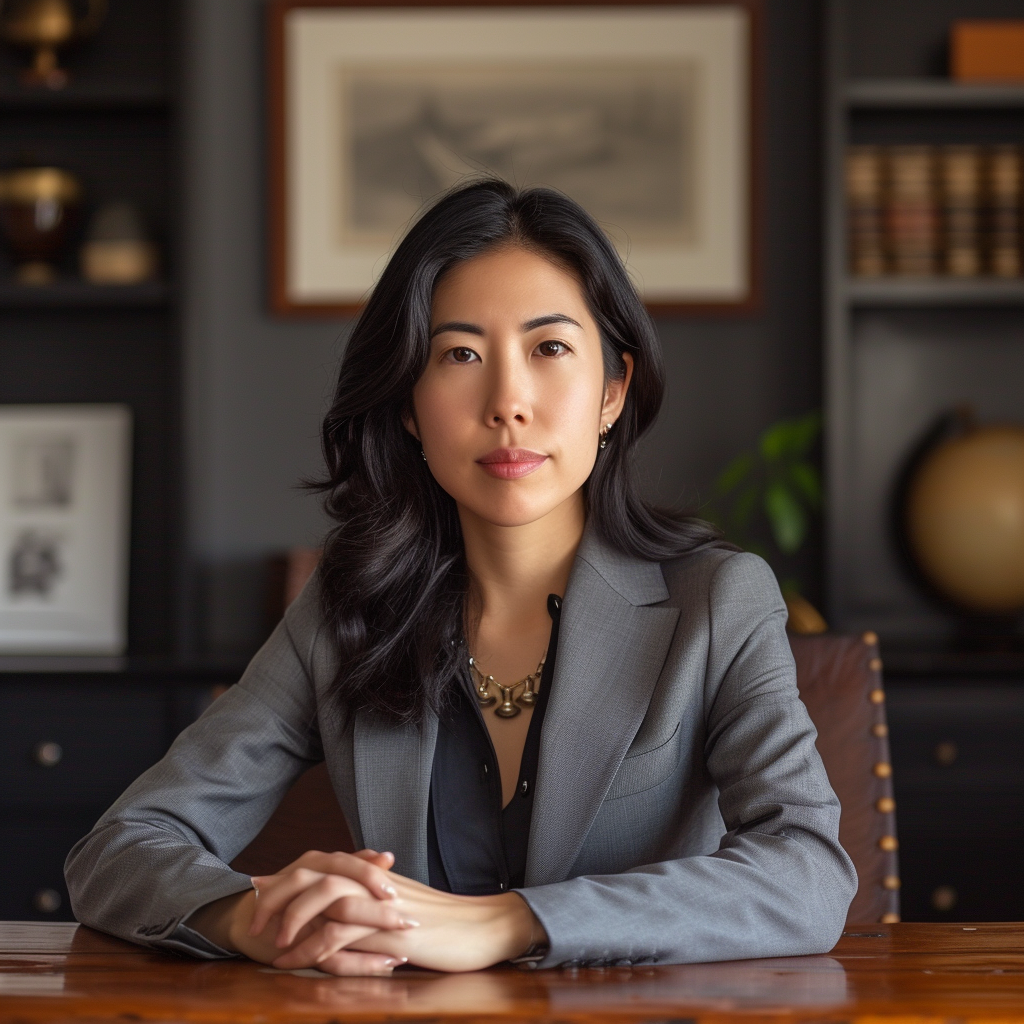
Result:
pixel 934 972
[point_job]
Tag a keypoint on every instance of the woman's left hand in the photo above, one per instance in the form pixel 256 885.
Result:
pixel 452 933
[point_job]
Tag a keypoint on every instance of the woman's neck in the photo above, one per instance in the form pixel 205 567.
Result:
pixel 514 568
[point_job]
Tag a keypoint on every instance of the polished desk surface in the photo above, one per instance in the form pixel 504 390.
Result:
pixel 909 972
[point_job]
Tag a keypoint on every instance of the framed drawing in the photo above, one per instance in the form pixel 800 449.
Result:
pixel 64 508
pixel 644 114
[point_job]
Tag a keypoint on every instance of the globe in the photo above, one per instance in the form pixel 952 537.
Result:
pixel 965 518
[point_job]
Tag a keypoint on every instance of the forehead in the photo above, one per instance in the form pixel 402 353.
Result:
pixel 507 281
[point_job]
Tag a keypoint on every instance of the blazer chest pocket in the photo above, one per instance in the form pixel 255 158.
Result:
pixel 647 769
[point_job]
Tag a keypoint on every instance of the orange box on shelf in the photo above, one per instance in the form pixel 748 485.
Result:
pixel 987 51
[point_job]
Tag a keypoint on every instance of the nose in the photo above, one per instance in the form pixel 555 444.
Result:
pixel 509 401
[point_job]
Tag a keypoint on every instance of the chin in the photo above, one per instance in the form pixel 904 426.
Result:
pixel 511 513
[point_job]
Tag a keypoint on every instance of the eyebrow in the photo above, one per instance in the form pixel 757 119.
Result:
pixel 462 327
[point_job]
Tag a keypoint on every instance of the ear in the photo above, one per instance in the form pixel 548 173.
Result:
pixel 409 422
pixel 615 392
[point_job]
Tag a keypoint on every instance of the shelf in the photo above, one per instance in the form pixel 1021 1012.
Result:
pixel 87 668
pixel 85 96
pixel 935 291
pixel 936 94
pixel 82 295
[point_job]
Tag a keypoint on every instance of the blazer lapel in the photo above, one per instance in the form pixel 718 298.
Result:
pixel 611 649
pixel 392 768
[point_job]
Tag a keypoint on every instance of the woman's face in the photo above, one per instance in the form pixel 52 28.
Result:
pixel 511 403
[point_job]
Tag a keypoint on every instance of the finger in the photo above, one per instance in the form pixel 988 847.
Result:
pixel 321 943
pixel 373 878
pixel 277 891
pixel 348 908
pixel 381 915
pixel 349 963
pixel 385 861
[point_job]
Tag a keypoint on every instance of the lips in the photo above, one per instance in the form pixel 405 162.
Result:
pixel 511 463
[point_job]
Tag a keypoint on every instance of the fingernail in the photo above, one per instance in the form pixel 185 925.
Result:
pixel 391 891
pixel 408 922
pixel 396 961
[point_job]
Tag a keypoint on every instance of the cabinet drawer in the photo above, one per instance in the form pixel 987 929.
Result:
pixel 970 737
pixel 75 745
pixel 34 849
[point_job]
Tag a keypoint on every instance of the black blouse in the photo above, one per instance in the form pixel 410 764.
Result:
pixel 475 847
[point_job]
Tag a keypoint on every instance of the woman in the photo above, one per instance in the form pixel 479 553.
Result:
pixel 567 721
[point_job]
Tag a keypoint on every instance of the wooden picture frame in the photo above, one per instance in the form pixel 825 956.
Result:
pixel 355 86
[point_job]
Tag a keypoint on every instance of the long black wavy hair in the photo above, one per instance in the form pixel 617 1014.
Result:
pixel 393 577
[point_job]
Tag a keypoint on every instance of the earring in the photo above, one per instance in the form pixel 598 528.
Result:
pixel 604 435
pixel 423 455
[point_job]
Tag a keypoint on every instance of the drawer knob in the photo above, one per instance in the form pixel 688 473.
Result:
pixel 944 898
pixel 47 901
pixel 946 753
pixel 48 754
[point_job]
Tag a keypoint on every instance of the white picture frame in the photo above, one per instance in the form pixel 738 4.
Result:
pixel 65 477
pixel 375 109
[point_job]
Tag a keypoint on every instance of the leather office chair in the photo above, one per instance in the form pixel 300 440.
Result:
pixel 840 682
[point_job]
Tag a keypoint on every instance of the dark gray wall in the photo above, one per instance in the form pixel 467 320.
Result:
pixel 255 386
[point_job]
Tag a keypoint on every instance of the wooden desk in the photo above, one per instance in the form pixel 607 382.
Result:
pixel 914 972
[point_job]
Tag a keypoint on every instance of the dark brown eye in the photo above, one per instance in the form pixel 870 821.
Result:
pixel 552 348
pixel 462 355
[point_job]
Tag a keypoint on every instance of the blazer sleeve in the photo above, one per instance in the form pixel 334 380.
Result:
pixel 163 849
pixel 779 884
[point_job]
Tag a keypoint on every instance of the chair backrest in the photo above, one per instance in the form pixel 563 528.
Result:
pixel 840 681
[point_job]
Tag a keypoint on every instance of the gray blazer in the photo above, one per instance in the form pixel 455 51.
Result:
pixel 682 812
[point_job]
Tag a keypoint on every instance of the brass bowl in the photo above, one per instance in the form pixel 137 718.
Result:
pixel 38 210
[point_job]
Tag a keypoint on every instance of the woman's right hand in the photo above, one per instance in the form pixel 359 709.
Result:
pixel 237 922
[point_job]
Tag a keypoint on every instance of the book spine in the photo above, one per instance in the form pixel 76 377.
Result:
pixel 960 181
pixel 1004 211
pixel 911 211
pixel 865 224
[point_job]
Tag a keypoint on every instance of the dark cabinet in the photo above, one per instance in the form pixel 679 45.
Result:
pixel 70 743
pixel 958 773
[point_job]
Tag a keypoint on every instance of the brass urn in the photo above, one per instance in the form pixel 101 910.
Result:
pixel 44 26
pixel 38 209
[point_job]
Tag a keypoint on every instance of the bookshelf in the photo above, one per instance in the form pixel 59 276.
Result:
pixel 900 351
pixel 113 126
pixel 897 353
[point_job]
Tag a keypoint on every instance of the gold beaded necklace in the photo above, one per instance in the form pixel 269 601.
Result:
pixel 511 704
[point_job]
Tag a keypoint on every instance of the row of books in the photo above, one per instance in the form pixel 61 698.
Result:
pixel 934 210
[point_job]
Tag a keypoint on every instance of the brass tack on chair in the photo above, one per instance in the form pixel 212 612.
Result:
pixel 889 919
pixel 880 729
pixel 889 844
pixel 885 805
pixel 870 637
pixel 882 769
pixel 875 664
pixel 890 882
pixel 877 695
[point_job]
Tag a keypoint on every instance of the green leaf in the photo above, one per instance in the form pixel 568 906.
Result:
pixel 805 477
pixel 790 437
pixel 734 473
pixel 774 441
pixel 744 507
pixel 787 518
pixel 805 431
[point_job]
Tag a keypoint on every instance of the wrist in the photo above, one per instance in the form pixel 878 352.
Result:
pixel 225 922
pixel 521 932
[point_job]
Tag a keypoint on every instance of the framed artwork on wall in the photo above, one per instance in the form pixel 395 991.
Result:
pixel 64 513
pixel 646 115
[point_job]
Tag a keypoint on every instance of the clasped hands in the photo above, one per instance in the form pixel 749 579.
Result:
pixel 349 914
